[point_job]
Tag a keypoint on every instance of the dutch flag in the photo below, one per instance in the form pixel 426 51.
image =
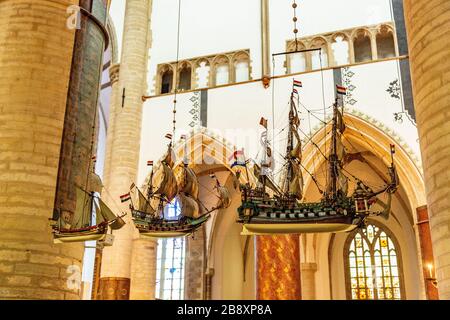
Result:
pixel 298 84
pixel 125 197
pixel 341 90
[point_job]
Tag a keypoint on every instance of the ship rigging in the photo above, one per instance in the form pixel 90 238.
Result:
pixel 269 208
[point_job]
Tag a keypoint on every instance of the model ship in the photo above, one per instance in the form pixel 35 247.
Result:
pixel 166 186
pixel 81 225
pixel 268 208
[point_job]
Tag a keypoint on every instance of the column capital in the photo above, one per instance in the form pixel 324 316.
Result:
pixel 114 73
pixel 309 266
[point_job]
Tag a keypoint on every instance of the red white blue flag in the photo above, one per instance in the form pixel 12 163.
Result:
pixel 125 197
pixel 298 84
pixel 341 90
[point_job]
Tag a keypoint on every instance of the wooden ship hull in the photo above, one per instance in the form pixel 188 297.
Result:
pixel 265 218
pixel 155 228
pixel 88 234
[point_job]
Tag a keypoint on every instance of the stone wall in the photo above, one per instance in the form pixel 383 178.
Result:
pixel 195 266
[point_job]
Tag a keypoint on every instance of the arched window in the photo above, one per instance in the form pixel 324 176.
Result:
pixel 362 47
pixel 241 62
pixel 373 265
pixel 385 43
pixel 319 58
pixel 340 48
pixel 222 70
pixel 166 81
pixel 185 78
pixel 202 74
pixel 170 261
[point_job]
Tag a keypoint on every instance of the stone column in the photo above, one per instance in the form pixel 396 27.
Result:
pixel 351 51
pixel 278 267
pixel 116 103
pixel 36 50
pixel 427 24
pixel 194 284
pixel 143 269
pixel 426 250
pixel 309 281
pixel 116 262
pixel 373 44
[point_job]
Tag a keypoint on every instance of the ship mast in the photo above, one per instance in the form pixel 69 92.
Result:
pixel 333 157
pixel 290 145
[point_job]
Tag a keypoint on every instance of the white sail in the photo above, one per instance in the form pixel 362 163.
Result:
pixel 83 209
pixel 224 197
pixel 108 215
pixel 189 206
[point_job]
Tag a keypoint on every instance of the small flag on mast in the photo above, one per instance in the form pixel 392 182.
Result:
pixel 132 186
pixel 169 136
pixel 125 197
pixel 294 91
pixel 263 122
pixel 149 163
pixel 341 90
pixel 236 154
pixel 298 84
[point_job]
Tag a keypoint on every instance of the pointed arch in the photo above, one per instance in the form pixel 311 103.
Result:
pixel 378 143
pixel 373 264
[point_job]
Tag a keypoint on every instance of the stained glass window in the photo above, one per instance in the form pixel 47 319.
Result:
pixel 170 262
pixel 373 268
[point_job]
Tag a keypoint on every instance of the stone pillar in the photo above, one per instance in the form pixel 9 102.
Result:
pixel 373 44
pixel 427 24
pixel 195 266
pixel 426 250
pixel 116 103
pixel 36 53
pixel 278 267
pixel 351 51
pixel 116 262
pixel 309 281
pixel 265 39
pixel 143 269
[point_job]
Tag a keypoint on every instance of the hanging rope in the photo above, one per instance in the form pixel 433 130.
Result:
pixel 294 5
pixel 174 121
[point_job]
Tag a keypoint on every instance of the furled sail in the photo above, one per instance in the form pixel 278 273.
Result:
pixel 297 151
pixel 165 182
pixel 188 182
pixel 94 183
pixel 189 206
pixel 341 154
pixel 296 181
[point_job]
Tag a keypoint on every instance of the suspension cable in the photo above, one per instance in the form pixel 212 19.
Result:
pixel 176 73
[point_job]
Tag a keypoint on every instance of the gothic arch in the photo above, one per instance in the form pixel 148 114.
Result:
pixel 220 61
pixel 386 42
pixel 290 58
pixel 402 221
pixel 165 70
pixel 362 40
pixel 383 228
